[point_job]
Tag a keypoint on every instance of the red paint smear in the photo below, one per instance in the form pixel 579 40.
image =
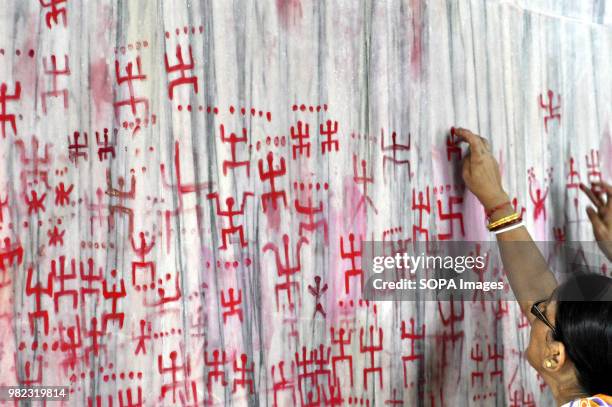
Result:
pixel 273 216
pixel 417 38
pixel 605 152
pixel 99 82
pixel 289 12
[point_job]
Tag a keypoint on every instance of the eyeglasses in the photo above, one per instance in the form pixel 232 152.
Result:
pixel 535 310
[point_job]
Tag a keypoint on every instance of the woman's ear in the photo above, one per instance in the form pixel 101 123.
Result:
pixel 555 356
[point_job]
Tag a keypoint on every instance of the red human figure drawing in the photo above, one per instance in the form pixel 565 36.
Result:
pixel 129 78
pixel 394 148
pixel 538 197
pixel 521 399
pixel 179 375
pixel 329 131
pixel 114 295
pixel 411 336
pixel 75 148
pixel 310 211
pixel 351 254
pixel 215 372
pixel 306 375
pixel 243 371
pixel 552 112
pixel 286 270
pixel 90 278
pixel 342 356
pixel 270 175
pixel 365 180
pixel 283 384
pixel 147 266
pixel 143 337
pixel 302 146
pixel 232 303
pixel 106 147
pixel 593 169
pixel 35 168
pixel 69 347
pixel 62 277
pixel 4 98
pixel 451 216
pixel 182 68
pixel 119 191
pixel 573 178
pixel 38 291
pixel 371 349
pixel 55 73
pixel 11 254
pixel 230 213
pixel 452 146
pixel 450 320
pixel 495 354
pixel 233 141
pixel 317 291
pixel 56 9
pixel 477 356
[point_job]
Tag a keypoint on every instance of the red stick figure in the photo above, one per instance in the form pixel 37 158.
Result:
pixel 394 148
pixel 243 371
pixel 57 9
pixel 182 68
pixel 104 146
pixel 270 175
pixel 232 303
pixel 329 131
pixel 352 254
pixel 132 101
pixel 233 140
pixel 74 148
pixel 286 270
pixel 552 111
pixel 365 180
pixel 317 291
pixel 55 73
pixel 230 214
pixel 303 134
pixel 371 349
pixel 4 98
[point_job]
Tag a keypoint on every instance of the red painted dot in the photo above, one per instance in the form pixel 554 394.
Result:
pixel 302 107
pixel 180 107
pixel 294 107
pixel 18 52
pixel 189 108
pixel 131 375
pixel 1 51
pixel 242 110
pixel 185 29
pixel 201 28
pixel 193 30
pixel 178 31
pixel 139 375
pixel 232 109
pixel 215 110
pixel 146 43
pixel 31 53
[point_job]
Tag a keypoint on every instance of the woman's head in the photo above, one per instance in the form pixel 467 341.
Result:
pixel 571 339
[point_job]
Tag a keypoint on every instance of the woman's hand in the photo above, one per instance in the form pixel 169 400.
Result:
pixel 480 170
pixel 601 219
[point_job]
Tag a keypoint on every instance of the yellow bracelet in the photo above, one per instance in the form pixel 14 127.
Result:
pixel 504 220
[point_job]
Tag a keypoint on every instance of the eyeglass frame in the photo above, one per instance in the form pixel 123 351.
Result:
pixel 535 310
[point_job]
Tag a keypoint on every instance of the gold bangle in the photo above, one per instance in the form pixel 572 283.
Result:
pixel 504 220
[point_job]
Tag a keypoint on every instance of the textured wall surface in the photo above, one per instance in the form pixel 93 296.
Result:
pixel 185 187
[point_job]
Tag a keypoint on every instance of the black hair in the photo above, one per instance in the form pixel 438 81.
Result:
pixel 583 323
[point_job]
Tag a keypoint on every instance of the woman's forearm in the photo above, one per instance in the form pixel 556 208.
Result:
pixel 527 270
